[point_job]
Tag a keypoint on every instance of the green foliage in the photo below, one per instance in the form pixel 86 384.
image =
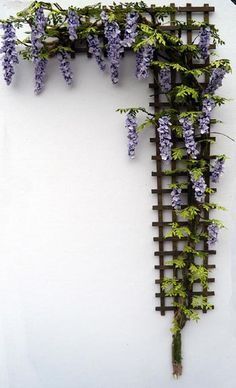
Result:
pixel 173 287
pixel 201 301
pixel 189 212
pixel 189 313
pixel 178 231
pixel 182 93
pixel 198 272
pixel 179 262
pixel 178 153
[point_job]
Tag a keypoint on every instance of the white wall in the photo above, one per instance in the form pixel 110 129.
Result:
pixel 77 305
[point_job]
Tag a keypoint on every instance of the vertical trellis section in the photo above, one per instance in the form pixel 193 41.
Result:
pixel 163 209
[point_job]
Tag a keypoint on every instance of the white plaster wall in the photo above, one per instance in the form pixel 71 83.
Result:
pixel 77 306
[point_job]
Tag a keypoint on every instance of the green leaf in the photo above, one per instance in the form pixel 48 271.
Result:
pixel 189 212
pixel 201 301
pixel 179 262
pixel 178 153
pixel 198 272
pixel 173 287
pixel 178 231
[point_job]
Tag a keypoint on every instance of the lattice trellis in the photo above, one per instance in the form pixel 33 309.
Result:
pixel 169 248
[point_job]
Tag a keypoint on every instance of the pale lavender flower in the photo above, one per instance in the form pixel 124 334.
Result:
pixel 213 231
pixel 217 169
pixel 216 78
pixel 131 125
pixel 165 79
pixel 204 120
pixel 199 186
pixel 204 42
pixel 8 49
pixel 64 65
pixel 95 49
pixel 114 46
pixel 73 23
pixel 37 34
pixel 130 29
pixel 39 74
pixel 144 58
pixel 176 198
pixel 188 133
pixel 164 131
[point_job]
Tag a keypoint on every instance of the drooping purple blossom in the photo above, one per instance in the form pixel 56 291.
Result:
pixel 114 46
pixel 204 120
pixel 164 130
pixel 165 79
pixel 130 29
pixel 213 231
pixel 131 125
pixel 95 49
pixel 39 74
pixel 204 41
pixel 176 198
pixel 73 23
pixel 216 78
pixel 37 34
pixel 144 57
pixel 10 55
pixel 217 169
pixel 64 65
pixel 188 133
pixel 199 186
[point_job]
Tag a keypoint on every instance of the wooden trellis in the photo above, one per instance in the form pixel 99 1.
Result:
pixel 170 248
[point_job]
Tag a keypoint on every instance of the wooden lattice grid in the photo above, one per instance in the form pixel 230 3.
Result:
pixel 162 193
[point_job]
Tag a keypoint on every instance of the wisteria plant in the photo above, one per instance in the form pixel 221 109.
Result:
pixel 182 129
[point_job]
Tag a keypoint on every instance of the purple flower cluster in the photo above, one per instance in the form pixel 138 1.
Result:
pixel 204 120
pixel 64 65
pixel 115 49
pixel 165 79
pixel 217 170
pixel 37 33
pixel 165 137
pixel 144 58
pixel 188 132
pixel 131 125
pixel 73 23
pixel 130 29
pixel 39 74
pixel 213 231
pixel 204 42
pixel 95 49
pixel 176 198
pixel 10 57
pixel 199 186
pixel 216 78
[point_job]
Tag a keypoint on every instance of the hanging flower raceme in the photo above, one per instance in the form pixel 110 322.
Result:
pixel 144 58
pixel 114 47
pixel 39 74
pixel 95 49
pixel 176 198
pixel 188 133
pixel 72 24
pixel 213 231
pixel 131 125
pixel 217 169
pixel 8 49
pixel 205 118
pixel 64 65
pixel 216 79
pixel 164 130
pixel 130 29
pixel 199 187
pixel 37 34
pixel 204 42
pixel 165 79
